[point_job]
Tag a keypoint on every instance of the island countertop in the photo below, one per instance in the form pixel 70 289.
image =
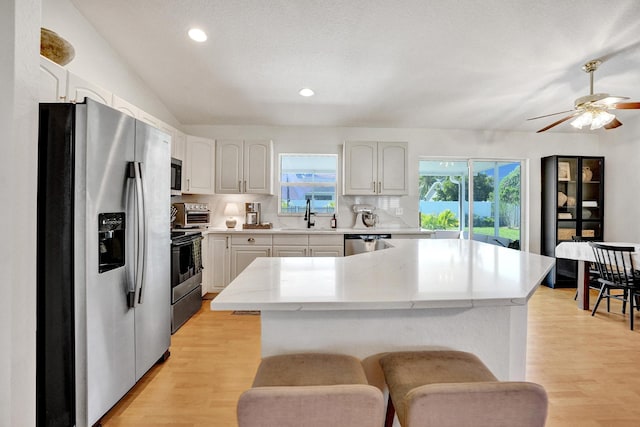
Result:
pixel 412 274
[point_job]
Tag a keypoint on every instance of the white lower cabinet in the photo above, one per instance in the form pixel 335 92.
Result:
pixel 290 245
pixel 313 245
pixel 289 251
pixel 227 255
pixel 322 245
pixel 326 251
pixel 217 273
pixel 247 247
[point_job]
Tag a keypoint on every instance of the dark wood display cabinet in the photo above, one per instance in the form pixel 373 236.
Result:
pixel 572 207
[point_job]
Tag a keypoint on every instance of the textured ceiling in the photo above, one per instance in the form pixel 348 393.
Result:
pixel 456 64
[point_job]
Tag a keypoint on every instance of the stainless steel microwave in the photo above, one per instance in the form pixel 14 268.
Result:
pixel 176 177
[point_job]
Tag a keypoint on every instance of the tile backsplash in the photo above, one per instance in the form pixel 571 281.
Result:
pixel 392 211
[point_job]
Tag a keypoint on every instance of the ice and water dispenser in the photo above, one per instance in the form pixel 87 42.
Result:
pixel 111 241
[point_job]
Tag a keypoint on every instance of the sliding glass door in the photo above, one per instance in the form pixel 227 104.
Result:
pixel 495 186
pixel 496 202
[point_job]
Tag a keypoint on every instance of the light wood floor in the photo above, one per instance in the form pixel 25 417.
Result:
pixel 590 367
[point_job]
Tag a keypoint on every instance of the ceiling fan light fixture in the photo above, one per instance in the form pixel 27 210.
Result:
pixel 582 120
pixel 593 119
pixel 600 119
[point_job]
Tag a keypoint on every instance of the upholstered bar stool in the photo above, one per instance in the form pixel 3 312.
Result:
pixel 311 390
pixel 454 388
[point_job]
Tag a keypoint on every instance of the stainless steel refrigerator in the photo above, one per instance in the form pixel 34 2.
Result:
pixel 103 259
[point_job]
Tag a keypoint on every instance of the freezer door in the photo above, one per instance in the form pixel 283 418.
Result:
pixel 105 348
pixel 153 294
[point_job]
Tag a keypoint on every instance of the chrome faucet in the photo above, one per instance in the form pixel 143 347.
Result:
pixel 308 213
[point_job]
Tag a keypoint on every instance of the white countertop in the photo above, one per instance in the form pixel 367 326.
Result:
pixel 415 273
pixel 373 230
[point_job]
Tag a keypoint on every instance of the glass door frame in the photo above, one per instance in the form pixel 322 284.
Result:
pixel 524 191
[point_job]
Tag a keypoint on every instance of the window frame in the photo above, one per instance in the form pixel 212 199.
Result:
pixel 308 184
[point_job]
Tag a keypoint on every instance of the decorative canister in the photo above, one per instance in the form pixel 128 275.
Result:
pixel 587 174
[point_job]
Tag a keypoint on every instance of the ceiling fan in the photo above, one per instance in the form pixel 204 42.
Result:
pixel 591 110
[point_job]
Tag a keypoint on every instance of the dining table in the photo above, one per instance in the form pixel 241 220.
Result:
pixel 583 253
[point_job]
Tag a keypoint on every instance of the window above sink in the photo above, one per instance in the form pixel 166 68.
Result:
pixel 305 177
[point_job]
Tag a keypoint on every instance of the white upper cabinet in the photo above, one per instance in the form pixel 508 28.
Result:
pixel 178 145
pixel 229 175
pixel 78 89
pixel 53 81
pixel 393 168
pixel 360 172
pixel 125 107
pixel 244 166
pixel 198 166
pixel 59 85
pixel 375 168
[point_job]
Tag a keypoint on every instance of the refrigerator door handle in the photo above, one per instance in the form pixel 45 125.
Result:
pixel 141 231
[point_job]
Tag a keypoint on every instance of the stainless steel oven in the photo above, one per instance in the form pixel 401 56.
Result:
pixel 186 276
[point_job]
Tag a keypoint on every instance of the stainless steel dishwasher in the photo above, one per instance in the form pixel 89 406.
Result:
pixel 359 243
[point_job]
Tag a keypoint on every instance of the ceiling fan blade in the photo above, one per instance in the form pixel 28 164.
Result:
pixel 626 106
pixel 613 124
pixel 564 119
pixel 549 115
pixel 611 100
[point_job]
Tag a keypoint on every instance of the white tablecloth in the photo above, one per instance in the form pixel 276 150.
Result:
pixel 582 252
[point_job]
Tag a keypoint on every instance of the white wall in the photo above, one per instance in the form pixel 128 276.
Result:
pixel 422 143
pixel 622 180
pixel 19 47
pixel 97 62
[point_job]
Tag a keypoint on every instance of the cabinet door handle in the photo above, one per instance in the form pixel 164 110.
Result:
pixel 245 186
pixel 374 186
pixel 251 240
pixel 239 186
pixel 269 252
pixel 304 251
pixel 226 242
pixel 188 184
pixel 379 187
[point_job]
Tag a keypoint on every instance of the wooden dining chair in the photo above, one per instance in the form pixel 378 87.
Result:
pixel 592 272
pixel 617 270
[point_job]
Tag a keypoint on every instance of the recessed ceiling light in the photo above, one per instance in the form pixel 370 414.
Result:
pixel 197 35
pixel 306 92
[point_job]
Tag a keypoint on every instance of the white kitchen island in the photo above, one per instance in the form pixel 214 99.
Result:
pixel 431 293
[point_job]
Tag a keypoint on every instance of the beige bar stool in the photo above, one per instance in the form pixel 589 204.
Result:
pixel 455 389
pixel 311 390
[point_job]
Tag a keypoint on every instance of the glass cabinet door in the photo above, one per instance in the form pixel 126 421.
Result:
pixel 567 197
pixel 591 212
